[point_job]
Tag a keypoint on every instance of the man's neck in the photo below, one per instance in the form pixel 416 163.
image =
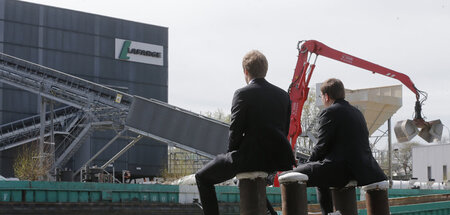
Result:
pixel 251 81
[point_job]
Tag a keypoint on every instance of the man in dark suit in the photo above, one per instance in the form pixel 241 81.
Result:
pixel 342 152
pixel 260 115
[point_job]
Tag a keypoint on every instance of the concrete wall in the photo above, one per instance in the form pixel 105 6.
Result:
pixel 435 156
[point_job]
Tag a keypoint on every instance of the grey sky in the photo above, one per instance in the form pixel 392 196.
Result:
pixel 207 40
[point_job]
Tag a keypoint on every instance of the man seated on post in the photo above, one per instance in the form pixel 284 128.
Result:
pixel 260 115
pixel 342 152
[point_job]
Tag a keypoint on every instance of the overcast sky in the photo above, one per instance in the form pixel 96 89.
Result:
pixel 207 40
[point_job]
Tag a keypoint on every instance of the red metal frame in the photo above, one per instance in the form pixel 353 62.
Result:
pixel 298 90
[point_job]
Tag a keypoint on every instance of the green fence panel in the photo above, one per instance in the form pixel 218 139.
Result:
pixel 106 195
pixel 83 196
pixel 311 195
pixel 73 196
pixel 38 191
pixel 10 195
pixel 173 197
pixel 145 197
pixel 231 194
pixel 393 193
pixel 124 196
pixel 40 196
pixel 134 196
pixel 52 196
pixel 164 197
pixel 227 193
pixel 16 195
pixel 154 197
pixel 43 191
pixel 44 185
pixel 5 196
pixel 14 184
pixel 29 196
pixel 273 195
pixel 94 196
pixel 432 208
pixel 115 197
pixel 397 193
pixel 63 196
pixel 358 194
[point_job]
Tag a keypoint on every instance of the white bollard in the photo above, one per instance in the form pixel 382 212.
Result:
pixel 252 187
pixel 377 202
pixel 293 193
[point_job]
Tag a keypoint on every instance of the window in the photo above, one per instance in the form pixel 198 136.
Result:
pixel 444 173
pixel 429 173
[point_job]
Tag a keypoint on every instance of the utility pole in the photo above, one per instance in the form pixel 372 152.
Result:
pixel 390 152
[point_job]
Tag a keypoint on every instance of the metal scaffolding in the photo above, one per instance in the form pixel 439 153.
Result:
pixel 181 162
pixel 92 106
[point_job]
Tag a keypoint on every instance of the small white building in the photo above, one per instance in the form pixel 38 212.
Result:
pixel 431 162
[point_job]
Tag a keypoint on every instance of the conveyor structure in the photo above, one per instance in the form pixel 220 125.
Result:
pixel 91 106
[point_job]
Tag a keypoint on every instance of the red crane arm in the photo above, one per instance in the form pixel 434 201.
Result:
pixel 319 48
pixel 298 90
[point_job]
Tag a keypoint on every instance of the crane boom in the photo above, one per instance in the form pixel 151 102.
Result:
pixel 298 89
pixel 319 48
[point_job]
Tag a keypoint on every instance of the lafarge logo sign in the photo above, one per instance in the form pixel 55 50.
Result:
pixel 139 52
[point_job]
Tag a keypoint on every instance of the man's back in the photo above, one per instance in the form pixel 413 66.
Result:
pixel 350 143
pixel 350 130
pixel 257 140
pixel 342 152
pixel 259 127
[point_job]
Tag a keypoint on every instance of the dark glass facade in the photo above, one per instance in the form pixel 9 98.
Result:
pixel 83 45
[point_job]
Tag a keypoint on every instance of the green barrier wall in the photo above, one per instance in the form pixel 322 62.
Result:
pixel 397 193
pixel 76 192
pixel 38 191
pixel 231 194
pixel 433 208
pixel 41 191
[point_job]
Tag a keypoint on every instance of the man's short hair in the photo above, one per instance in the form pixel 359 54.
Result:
pixel 334 88
pixel 255 63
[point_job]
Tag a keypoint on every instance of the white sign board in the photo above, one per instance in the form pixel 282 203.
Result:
pixel 139 52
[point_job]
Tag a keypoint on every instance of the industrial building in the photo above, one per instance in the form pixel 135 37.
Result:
pixel 127 56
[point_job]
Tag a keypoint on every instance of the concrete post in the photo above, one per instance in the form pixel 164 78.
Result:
pixel 344 199
pixel 293 193
pixel 377 201
pixel 252 187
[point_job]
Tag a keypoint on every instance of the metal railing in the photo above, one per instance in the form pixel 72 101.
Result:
pixel 26 130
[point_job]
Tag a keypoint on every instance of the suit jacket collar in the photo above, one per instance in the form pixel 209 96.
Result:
pixel 257 80
pixel 340 101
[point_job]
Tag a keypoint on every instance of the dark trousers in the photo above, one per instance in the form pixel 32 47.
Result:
pixel 221 169
pixel 324 175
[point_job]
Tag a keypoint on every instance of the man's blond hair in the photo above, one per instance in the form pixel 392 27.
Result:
pixel 255 63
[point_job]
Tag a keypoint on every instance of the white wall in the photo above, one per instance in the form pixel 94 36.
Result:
pixel 435 156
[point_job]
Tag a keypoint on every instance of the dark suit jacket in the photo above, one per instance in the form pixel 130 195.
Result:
pixel 344 139
pixel 260 116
